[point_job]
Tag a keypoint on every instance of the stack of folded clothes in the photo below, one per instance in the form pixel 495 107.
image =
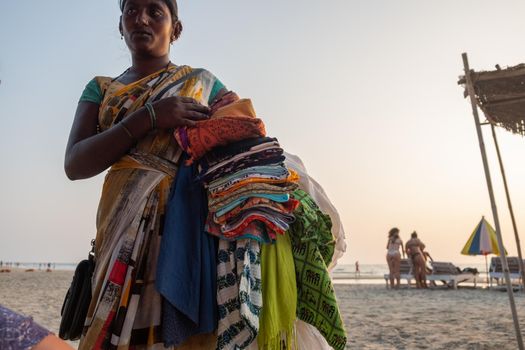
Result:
pixel 247 183
pixel 249 190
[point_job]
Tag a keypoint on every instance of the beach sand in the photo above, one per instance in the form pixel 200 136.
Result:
pixel 376 318
pixel 474 319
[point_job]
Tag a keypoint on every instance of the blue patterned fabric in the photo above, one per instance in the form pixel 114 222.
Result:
pixel 239 293
pixel 18 332
pixel 187 270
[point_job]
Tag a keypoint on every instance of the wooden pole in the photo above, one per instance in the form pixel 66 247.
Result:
pixel 505 266
pixel 487 269
pixel 509 203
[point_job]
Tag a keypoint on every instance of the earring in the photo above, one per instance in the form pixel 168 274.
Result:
pixel 121 37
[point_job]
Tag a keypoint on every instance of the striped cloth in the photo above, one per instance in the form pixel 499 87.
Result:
pixel 239 293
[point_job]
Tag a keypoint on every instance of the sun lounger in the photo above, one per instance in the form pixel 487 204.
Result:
pixel 450 274
pixel 496 270
pixel 406 272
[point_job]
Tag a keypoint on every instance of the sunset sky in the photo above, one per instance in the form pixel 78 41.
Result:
pixel 365 92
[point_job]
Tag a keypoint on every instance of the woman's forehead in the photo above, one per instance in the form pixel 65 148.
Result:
pixel 144 2
pixel 171 5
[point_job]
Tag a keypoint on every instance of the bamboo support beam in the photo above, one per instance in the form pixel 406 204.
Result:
pixel 470 90
pixel 509 204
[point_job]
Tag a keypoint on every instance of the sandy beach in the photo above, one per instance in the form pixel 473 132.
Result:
pixel 474 319
pixel 376 318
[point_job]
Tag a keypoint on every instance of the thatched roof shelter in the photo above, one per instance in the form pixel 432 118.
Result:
pixel 501 96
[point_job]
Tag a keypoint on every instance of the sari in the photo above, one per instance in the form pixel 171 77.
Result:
pixel 125 311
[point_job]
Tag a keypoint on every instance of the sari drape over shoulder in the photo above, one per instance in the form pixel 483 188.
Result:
pixel 125 311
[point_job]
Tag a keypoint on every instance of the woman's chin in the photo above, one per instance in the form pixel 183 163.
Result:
pixel 142 49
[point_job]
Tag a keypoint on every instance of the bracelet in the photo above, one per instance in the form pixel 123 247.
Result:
pixel 124 127
pixel 152 115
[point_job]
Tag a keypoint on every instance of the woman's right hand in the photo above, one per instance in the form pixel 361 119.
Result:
pixel 175 111
pixel 88 153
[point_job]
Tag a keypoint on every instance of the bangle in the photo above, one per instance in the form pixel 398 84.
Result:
pixel 152 115
pixel 124 127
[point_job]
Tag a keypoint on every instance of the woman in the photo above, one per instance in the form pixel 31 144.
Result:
pixel 416 251
pixel 126 124
pixel 393 256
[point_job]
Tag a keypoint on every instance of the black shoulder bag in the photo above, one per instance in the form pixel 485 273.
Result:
pixel 78 297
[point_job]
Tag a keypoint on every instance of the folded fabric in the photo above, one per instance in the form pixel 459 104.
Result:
pixel 250 190
pixel 256 202
pixel 279 198
pixel 267 157
pixel 313 244
pixel 235 107
pixel 233 122
pixel 256 230
pixel 281 220
pixel 255 150
pixel 239 293
pixel 222 153
pixel 186 267
pixel 275 172
pixel 236 186
pixel 246 159
pixel 273 229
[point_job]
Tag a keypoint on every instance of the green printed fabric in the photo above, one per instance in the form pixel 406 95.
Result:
pixel 313 248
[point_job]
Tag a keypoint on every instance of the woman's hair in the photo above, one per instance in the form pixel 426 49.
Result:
pixel 414 234
pixel 174 10
pixel 172 4
pixel 393 232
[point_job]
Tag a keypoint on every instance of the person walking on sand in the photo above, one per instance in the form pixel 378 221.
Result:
pixel 393 256
pixel 357 271
pixel 415 250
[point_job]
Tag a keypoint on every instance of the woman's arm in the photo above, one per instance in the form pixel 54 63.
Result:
pixel 52 342
pixel 89 153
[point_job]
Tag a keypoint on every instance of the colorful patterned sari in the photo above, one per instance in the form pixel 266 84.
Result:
pixel 125 311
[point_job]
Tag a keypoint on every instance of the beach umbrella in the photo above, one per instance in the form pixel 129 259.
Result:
pixel 482 241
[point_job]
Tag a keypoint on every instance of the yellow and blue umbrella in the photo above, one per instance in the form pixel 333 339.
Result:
pixel 482 241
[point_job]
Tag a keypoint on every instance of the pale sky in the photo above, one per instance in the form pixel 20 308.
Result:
pixel 363 91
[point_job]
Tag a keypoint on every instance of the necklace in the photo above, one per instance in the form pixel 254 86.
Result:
pixel 128 70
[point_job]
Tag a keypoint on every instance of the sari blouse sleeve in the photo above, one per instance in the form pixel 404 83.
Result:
pixel 217 86
pixel 92 92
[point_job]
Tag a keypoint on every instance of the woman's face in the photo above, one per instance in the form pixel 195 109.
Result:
pixel 147 27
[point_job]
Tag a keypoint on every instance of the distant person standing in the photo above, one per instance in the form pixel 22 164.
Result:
pixel 357 271
pixel 415 250
pixel 393 256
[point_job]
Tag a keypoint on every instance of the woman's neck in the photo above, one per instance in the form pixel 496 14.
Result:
pixel 142 67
